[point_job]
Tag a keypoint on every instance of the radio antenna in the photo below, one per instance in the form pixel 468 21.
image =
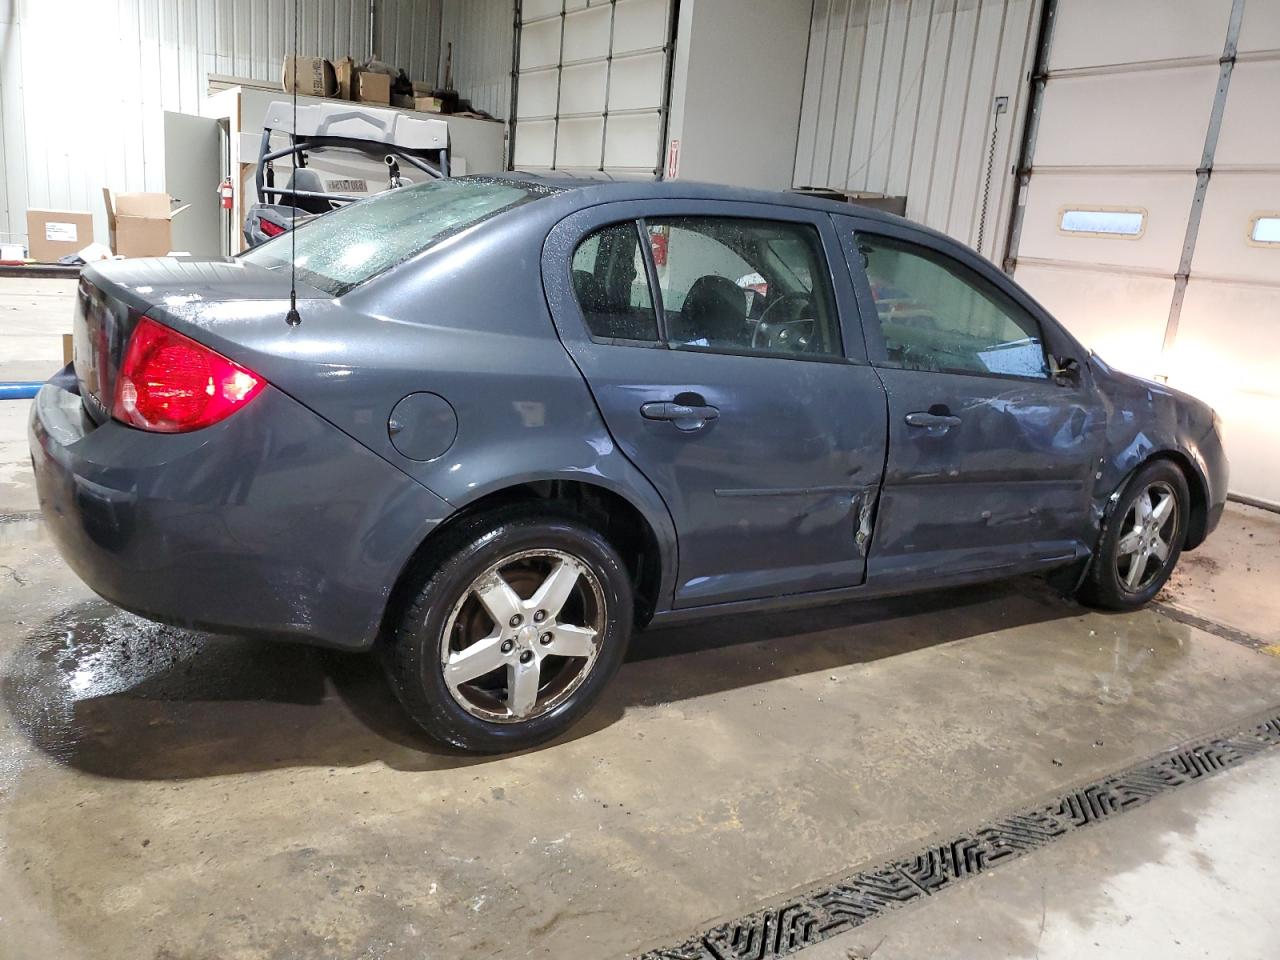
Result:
pixel 293 318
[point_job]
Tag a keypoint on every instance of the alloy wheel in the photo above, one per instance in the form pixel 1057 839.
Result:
pixel 1149 527
pixel 523 636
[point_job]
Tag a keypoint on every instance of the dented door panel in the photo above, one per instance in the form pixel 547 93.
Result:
pixel 1009 484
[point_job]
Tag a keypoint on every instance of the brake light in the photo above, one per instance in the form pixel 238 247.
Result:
pixel 168 383
pixel 270 227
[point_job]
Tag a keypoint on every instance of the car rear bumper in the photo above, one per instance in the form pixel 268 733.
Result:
pixel 272 522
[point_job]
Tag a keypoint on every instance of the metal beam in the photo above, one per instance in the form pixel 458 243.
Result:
pixel 1030 128
pixel 1225 67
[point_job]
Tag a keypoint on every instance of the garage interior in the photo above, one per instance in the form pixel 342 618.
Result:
pixel 990 771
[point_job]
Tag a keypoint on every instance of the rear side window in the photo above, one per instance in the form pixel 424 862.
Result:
pixel 937 315
pixel 727 284
pixel 740 285
pixel 611 286
pixel 343 249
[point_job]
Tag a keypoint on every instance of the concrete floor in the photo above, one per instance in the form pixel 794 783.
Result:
pixel 173 795
pixel 1175 882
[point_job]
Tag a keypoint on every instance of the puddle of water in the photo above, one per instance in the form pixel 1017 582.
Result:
pixel 19 528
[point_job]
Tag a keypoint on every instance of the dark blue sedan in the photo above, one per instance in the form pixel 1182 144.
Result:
pixel 521 417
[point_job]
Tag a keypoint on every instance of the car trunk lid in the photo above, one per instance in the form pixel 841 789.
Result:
pixel 113 296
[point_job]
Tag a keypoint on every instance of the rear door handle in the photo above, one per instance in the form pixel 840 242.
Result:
pixel 687 417
pixel 934 421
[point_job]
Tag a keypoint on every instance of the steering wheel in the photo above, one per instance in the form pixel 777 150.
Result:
pixel 790 336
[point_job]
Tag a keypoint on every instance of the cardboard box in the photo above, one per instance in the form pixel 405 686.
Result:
pixel 315 76
pixel 140 223
pixel 372 87
pixel 68 348
pixel 416 102
pixel 57 233
pixel 344 70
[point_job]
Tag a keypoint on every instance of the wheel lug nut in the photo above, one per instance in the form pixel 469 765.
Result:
pixel 526 656
pixel 540 616
pixel 516 620
pixel 546 638
pixel 508 646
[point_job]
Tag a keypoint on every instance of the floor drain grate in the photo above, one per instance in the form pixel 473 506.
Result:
pixel 823 913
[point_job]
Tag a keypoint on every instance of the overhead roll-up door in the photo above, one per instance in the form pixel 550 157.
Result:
pixel 1109 239
pixel 592 85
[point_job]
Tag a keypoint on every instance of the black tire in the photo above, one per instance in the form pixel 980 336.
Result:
pixel 1104 585
pixel 466 552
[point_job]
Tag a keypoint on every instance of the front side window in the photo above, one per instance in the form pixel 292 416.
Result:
pixel 937 315
pixel 741 285
pixel 343 249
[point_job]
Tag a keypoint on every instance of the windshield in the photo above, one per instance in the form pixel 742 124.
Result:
pixel 343 249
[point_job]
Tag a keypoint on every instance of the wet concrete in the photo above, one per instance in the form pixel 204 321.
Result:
pixel 169 794
pixel 1192 875
pixel 1221 581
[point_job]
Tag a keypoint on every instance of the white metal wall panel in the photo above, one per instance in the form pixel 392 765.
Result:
pixel 1223 249
pixel 1143 118
pixel 591 84
pixel 1250 135
pixel 1126 316
pixel 1260 30
pixel 127 61
pixel 1090 33
pixel 1164 199
pixel 482 32
pixel 1124 122
pixel 1226 353
pixel 899 99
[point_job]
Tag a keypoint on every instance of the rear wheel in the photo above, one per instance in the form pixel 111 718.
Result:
pixel 1142 542
pixel 514 632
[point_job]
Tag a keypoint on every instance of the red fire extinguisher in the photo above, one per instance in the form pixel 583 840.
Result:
pixel 226 193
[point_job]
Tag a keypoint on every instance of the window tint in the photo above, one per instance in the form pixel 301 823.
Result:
pixel 744 285
pixel 344 248
pixel 611 286
pixel 936 315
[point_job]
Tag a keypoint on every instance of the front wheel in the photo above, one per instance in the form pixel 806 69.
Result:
pixel 1143 540
pixel 514 633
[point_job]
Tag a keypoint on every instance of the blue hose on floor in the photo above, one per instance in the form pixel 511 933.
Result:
pixel 21 390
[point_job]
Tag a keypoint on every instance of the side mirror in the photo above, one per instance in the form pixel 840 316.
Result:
pixel 1064 370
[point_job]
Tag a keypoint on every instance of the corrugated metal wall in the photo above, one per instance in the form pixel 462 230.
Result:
pixel 481 32
pixel 899 99
pixel 84 83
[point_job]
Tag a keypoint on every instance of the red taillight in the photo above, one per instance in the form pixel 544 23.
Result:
pixel 171 384
pixel 270 227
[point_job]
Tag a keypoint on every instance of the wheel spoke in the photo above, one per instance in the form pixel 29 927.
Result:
pixel 483 656
pixel 1142 506
pixel 555 590
pixel 572 641
pixel 1160 550
pixel 1137 564
pixel 1162 509
pixel 522 687
pixel 499 600
pixel 1130 543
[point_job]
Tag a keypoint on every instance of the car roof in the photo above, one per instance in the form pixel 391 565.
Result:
pixel 593 188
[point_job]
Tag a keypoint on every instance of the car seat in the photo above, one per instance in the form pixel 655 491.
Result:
pixel 715 310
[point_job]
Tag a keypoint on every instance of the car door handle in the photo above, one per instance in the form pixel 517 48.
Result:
pixel 685 416
pixel 933 421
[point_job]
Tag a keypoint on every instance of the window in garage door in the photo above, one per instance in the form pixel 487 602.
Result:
pixel 591 87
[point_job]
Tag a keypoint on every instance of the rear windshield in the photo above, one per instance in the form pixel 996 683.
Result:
pixel 343 249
